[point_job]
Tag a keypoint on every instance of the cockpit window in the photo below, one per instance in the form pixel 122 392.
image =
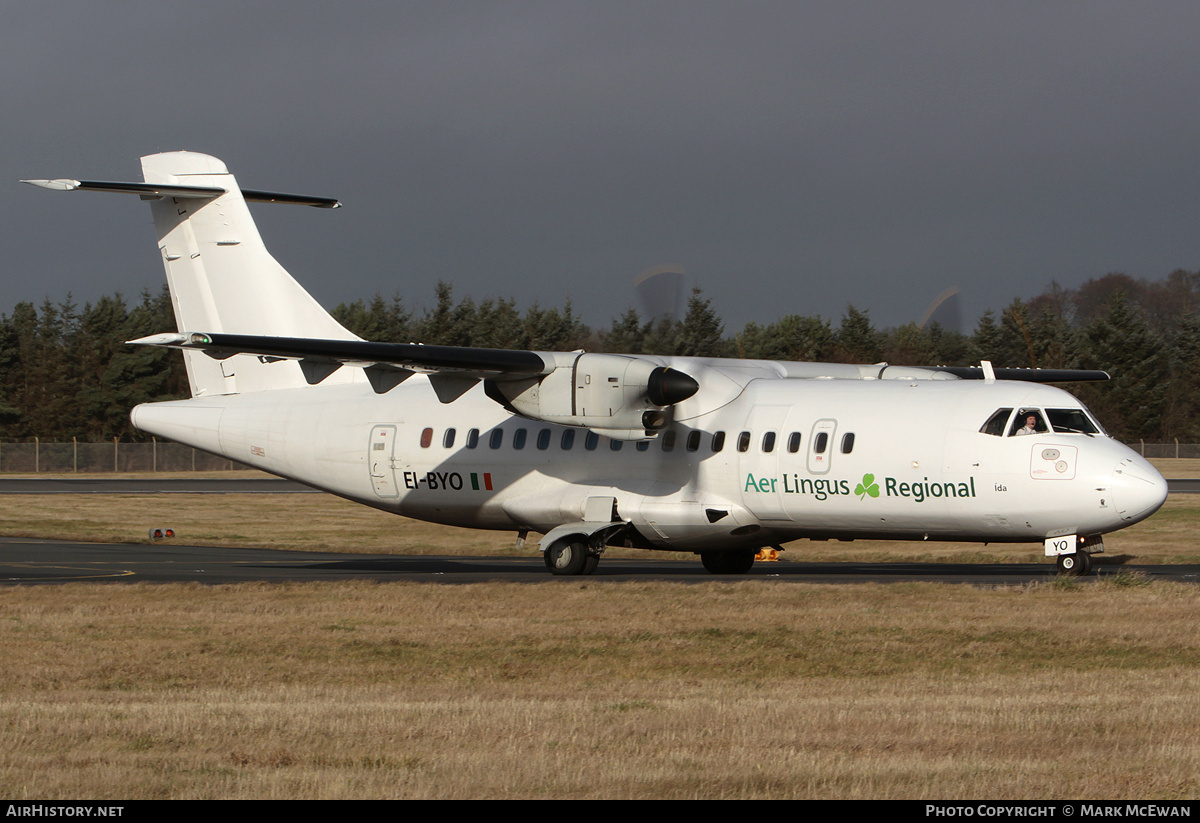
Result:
pixel 1075 421
pixel 995 424
pixel 1027 421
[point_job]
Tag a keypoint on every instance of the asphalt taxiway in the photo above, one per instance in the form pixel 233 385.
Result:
pixel 25 561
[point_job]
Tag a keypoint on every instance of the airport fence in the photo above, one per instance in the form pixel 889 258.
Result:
pixel 33 455
pixel 1166 450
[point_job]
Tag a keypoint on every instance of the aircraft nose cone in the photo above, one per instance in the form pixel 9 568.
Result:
pixel 1139 490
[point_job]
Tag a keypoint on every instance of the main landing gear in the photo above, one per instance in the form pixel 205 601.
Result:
pixel 1077 564
pixel 737 561
pixel 571 557
pixel 576 554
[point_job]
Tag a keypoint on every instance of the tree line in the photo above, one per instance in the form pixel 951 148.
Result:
pixel 65 371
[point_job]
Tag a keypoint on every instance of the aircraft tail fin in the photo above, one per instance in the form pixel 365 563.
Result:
pixel 222 278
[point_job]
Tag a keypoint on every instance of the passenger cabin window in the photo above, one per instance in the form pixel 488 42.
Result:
pixel 847 442
pixel 718 441
pixel 821 443
pixel 568 440
pixel 591 441
pixel 519 439
pixel 669 439
pixel 497 438
pixel 543 441
pixel 693 440
pixel 743 444
pixel 448 439
pixel 642 445
pixel 768 442
pixel 1074 421
pixel 616 445
pixel 426 438
pixel 794 442
pixel 472 438
pixel 995 424
pixel 1027 421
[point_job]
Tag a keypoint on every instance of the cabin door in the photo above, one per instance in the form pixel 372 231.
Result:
pixel 379 458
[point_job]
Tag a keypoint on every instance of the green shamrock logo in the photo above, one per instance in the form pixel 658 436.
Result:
pixel 867 486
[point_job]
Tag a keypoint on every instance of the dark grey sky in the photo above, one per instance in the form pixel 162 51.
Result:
pixel 794 157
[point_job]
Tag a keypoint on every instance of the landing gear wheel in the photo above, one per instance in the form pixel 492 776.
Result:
pixel 567 558
pixel 1085 562
pixel 589 566
pixel 729 562
pixel 1077 564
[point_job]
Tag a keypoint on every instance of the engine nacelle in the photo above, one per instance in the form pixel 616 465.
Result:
pixel 619 396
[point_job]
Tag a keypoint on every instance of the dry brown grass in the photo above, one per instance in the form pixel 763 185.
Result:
pixel 316 522
pixel 1176 468
pixel 585 689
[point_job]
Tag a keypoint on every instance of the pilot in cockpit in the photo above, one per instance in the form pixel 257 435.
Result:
pixel 1031 425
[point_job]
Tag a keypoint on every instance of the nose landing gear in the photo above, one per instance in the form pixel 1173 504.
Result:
pixel 1077 564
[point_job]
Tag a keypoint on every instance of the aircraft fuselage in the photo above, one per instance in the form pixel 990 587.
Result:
pixel 779 460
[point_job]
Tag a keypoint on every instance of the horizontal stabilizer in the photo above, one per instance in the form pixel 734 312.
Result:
pixel 416 357
pixel 156 191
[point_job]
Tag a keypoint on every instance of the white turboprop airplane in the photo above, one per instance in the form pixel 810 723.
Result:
pixel 714 456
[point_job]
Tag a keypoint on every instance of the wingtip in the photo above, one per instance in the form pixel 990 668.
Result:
pixel 61 184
